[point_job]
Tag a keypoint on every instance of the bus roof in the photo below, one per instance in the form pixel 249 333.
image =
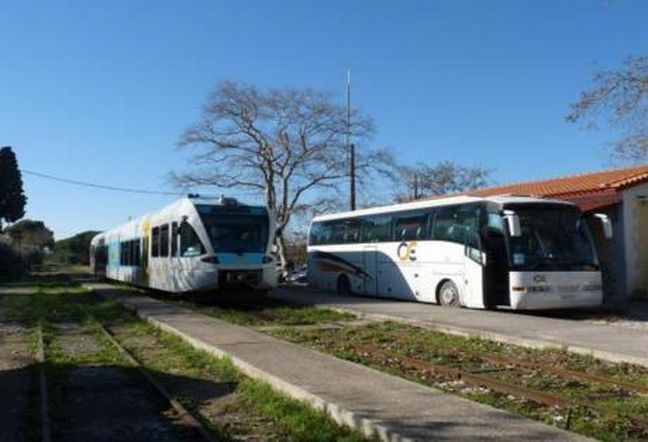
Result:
pixel 441 201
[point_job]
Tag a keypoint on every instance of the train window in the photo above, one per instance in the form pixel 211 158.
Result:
pixel 164 240
pixel 137 254
pixel 174 239
pixel 190 244
pixel 125 253
pixel 155 242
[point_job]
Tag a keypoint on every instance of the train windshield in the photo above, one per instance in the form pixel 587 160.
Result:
pixel 237 233
pixel 553 238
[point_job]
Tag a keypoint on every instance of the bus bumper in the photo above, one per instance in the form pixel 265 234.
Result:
pixel 555 290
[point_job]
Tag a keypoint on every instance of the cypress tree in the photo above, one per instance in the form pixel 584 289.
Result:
pixel 12 196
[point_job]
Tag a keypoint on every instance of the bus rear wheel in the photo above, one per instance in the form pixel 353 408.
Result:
pixel 449 295
pixel 343 285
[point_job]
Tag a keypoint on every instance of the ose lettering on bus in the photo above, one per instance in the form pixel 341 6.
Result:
pixel 406 251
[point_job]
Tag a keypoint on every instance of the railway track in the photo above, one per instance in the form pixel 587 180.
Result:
pixel 189 419
pixel 483 378
pixel 190 423
pixel 490 364
pixel 46 435
pixel 497 360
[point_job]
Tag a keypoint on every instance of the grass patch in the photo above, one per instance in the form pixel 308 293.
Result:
pixel 400 341
pixel 268 312
pixel 52 304
pixel 293 419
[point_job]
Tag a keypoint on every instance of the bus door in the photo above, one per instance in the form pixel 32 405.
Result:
pixel 473 272
pixel 370 267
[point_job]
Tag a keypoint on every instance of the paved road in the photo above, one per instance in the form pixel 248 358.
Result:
pixel 611 343
pixel 394 408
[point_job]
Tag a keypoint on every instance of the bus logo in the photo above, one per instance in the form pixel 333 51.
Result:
pixel 406 251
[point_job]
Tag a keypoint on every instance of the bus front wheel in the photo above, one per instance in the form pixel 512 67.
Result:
pixel 343 285
pixel 449 295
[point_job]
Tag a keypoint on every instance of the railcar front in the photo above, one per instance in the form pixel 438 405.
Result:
pixel 194 244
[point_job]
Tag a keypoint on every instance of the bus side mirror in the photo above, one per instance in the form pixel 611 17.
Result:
pixel 513 222
pixel 606 223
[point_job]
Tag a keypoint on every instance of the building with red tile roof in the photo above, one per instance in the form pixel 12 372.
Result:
pixel 590 190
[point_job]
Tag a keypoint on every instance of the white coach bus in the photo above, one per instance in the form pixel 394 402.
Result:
pixel 193 244
pixel 513 252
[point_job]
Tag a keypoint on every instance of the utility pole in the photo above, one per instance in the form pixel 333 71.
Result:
pixel 350 147
pixel 416 186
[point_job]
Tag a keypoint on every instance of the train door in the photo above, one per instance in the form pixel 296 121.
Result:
pixel 175 266
pixel 370 267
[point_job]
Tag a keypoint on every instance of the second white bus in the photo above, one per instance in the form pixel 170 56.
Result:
pixel 510 252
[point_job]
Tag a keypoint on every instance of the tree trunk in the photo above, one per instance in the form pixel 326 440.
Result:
pixel 281 250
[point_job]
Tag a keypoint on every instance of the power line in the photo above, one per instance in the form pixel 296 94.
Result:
pixel 99 186
pixel 121 189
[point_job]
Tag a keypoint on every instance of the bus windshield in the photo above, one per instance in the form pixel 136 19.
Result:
pixel 553 238
pixel 237 233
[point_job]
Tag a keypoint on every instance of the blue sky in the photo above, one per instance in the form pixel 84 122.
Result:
pixel 101 91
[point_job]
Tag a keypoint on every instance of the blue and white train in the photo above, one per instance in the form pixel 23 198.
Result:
pixel 193 244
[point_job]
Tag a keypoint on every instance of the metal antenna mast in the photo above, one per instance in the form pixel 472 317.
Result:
pixel 350 146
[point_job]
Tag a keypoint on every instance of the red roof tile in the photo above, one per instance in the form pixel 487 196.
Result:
pixel 589 183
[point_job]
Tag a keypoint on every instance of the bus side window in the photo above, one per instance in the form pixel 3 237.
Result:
pixel 351 229
pixel 444 224
pixel 376 229
pixel 190 244
pixel 494 222
pixel 411 226
pixel 315 234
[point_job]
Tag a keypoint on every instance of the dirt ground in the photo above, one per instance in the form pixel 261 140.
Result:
pixel 17 380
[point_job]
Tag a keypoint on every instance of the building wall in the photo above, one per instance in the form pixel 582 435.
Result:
pixel 635 238
pixel 611 253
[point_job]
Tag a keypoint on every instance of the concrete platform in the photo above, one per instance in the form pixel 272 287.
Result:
pixel 379 404
pixel 614 344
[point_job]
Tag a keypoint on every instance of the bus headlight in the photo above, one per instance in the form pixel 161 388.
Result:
pixel 532 288
pixel 267 259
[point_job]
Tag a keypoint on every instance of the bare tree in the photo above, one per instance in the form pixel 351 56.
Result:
pixel 288 145
pixel 446 177
pixel 621 98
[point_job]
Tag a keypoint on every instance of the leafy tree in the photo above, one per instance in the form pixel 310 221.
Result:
pixel 621 98
pixel 12 197
pixel 30 233
pixel 31 239
pixel 286 144
pixel 446 177
pixel 11 262
pixel 73 250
